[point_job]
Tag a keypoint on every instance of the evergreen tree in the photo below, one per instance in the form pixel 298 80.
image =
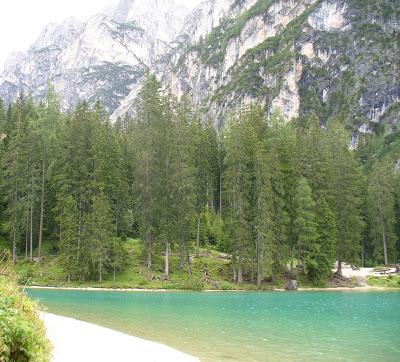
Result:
pixel 99 236
pixel 69 236
pixel 321 257
pixel 16 168
pixel 239 140
pixel 146 134
pixel 183 180
pixel 344 195
pixel 263 215
pixel 381 207
pixel 276 142
pixel 305 226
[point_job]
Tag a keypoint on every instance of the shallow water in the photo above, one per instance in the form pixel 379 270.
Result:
pixel 269 326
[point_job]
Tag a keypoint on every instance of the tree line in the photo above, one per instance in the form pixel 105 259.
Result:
pixel 278 197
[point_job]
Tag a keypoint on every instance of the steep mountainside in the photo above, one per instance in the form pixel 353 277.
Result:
pixel 101 59
pixel 333 57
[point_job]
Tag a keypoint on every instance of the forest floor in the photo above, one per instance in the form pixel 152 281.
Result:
pixel 211 271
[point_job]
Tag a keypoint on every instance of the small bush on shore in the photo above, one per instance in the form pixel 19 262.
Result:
pixel 22 333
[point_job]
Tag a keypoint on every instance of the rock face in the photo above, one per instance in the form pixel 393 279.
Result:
pixel 337 58
pixel 102 59
pixel 292 285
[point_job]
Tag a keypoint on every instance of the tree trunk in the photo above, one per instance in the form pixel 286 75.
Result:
pixel 252 270
pixel 198 237
pixel 220 194
pixel 100 269
pixel 188 263
pixel 240 273
pixel 14 245
pixel 240 270
pixel 385 248
pixel 234 273
pixel 26 242
pixel 149 252
pixel 41 209
pixel 258 252
pixel 114 274
pixel 299 262
pixel 292 263
pixel 363 254
pixel 31 231
pixel 339 266
pixel 80 232
pixel 14 251
pixel 69 262
pixel 181 253
pixel 384 241
pixel 167 259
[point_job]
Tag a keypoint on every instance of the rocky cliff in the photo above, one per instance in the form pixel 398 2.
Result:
pixel 337 58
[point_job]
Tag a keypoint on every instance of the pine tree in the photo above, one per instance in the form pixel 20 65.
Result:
pixel 344 194
pixel 305 226
pixel 99 236
pixel 381 207
pixel 69 236
pixel 263 214
pixel 146 135
pixel 321 258
pixel 276 143
pixel 15 169
pixel 240 143
pixel 48 125
pixel 183 181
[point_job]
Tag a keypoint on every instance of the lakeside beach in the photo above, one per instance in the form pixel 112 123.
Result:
pixel 95 343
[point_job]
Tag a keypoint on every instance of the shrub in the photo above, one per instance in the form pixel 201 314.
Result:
pixel 227 286
pixel 192 284
pixel 22 333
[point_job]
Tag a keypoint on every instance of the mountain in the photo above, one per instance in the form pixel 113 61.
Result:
pixel 337 58
pixel 101 59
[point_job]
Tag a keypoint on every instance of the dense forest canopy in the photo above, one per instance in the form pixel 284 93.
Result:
pixel 277 197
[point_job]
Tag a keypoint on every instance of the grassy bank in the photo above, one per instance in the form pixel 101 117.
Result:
pixel 211 271
pixel 22 333
pixel 391 281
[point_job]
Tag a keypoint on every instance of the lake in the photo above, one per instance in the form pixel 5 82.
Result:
pixel 246 326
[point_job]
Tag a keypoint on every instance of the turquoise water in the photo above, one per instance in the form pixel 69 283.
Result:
pixel 302 326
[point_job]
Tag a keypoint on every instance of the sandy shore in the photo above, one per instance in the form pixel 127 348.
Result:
pixel 361 288
pixel 79 341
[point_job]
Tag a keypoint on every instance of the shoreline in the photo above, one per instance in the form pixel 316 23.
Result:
pixel 330 289
pixel 92 342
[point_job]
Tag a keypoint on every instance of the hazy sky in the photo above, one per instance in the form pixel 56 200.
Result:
pixel 21 21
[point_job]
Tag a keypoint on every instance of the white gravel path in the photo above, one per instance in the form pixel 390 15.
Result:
pixel 77 341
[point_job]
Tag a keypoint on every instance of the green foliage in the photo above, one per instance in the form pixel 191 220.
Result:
pixel 22 333
pixel 391 281
pixel 381 210
pixel 306 227
pixel 264 192
pixel 191 283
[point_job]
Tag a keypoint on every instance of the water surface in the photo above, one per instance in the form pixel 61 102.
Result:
pixel 271 326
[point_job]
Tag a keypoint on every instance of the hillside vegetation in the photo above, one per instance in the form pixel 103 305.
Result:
pixel 274 199
pixel 22 333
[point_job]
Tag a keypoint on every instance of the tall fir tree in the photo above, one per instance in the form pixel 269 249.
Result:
pixel 344 195
pixel 381 210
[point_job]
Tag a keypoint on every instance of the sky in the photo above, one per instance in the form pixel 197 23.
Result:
pixel 21 21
